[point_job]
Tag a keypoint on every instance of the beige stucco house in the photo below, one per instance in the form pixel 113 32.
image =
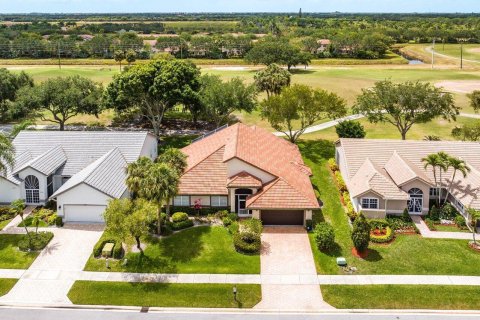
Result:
pixel 251 172
pixel 387 176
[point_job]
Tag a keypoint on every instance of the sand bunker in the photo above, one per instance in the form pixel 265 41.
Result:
pixel 474 50
pixel 460 86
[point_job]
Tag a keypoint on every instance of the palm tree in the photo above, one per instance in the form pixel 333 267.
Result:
pixel 444 166
pixel 159 184
pixel 136 172
pixel 474 218
pixel 458 165
pixel 176 160
pixel 434 161
pixel 7 154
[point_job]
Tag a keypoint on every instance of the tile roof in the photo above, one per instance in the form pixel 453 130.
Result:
pixel 244 179
pixel 20 160
pixel 410 154
pixel 107 174
pixel 370 178
pixel 259 148
pixel 47 162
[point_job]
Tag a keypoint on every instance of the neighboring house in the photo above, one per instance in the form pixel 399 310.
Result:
pixel 323 45
pixel 252 173
pixel 82 171
pixel 387 176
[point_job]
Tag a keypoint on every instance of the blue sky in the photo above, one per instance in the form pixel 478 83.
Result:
pixel 86 6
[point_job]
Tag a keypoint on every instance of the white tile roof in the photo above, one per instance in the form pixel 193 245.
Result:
pixel 107 174
pixel 46 163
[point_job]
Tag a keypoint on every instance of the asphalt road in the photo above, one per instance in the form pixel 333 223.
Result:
pixel 10 313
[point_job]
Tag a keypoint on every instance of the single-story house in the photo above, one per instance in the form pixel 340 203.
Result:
pixel 387 176
pixel 252 173
pixel 82 171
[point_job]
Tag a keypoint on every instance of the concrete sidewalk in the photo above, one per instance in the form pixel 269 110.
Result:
pixel 427 233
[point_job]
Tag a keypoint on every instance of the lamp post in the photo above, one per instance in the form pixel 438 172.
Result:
pixel 461 54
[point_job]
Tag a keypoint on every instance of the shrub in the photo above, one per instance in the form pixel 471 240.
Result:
pixel 226 221
pixel 361 233
pixel 430 224
pixel 179 217
pixel 51 220
pixel 35 241
pixel 59 221
pixel 221 214
pixel 182 225
pixel 309 224
pixel 253 225
pixel 350 129
pixel 378 223
pixel 460 221
pixel 448 212
pixel 233 227
pixel 346 198
pixel 233 216
pixel 332 164
pixel 400 223
pixel 204 211
pixel 434 213
pixel 340 182
pixel 247 242
pixel 406 216
pixel 384 238
pixel 351 213
pixel 118 250
pixel 324 236
pixel 117 246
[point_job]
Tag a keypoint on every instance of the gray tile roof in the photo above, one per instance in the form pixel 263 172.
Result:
pixel 107 174
pixel 80 148
pixel 20 160
pixel 46 163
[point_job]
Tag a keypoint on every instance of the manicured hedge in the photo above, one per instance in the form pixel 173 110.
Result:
pixel 247 242
pixel 117 248
pixel 182 225
pixel 324 236
pixel 179 217
pixel 203 211
pixel 387 237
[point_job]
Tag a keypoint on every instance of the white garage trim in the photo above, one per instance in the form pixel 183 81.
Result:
pixel 84 213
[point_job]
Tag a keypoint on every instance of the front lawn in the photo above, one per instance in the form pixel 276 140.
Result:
pixel 408 254
pixel 6 285
pixel 449 228
pixel 4 223
pixel 164 295
pixel 195 250
pixel 402 297
pixel 10 256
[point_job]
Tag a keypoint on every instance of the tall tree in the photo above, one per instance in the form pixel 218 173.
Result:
pixel 436 163
pixel 272 79
pixel 119 56
pixel 350 129
pixel 130 56
pixel 469 132
pixel 458 165
pixel 177 160
pixel 220 99
pixel 474 218
pixel 10 84
pixel 7 154
pixel 136 173
pixel 301 104
pixel 153 88
pixel 475 100
pixel 361 233
pixel 59 99
pixel 405 104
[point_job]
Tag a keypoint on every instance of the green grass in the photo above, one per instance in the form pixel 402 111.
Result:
pixel 164 295
pixel 406 255
pixel 449 228
pixel 29 223
pixel 6 285
pixel 174 142
pixel 402 297
pixel 194 250
pixel 4 223
pixel 10 256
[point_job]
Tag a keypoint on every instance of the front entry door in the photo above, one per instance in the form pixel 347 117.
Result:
pixel 415 205
pixel 241 196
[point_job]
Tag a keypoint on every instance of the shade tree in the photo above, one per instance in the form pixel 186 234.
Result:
pixel 272 79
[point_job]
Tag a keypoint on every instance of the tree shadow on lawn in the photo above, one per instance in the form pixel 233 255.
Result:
pixel 317 150
pixel 373 256
pixel 163 255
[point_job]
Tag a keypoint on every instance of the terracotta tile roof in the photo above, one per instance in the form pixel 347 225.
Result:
pixel 410 152
pixel 244 179
pixel 261 149
pixel 207 177
pixel 279 194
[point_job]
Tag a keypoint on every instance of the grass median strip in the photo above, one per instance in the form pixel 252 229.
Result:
pixel 164 295
pixel 6 285
pixel 402 297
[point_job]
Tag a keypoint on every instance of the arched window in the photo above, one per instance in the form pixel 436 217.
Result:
pixel 32 189
pixel 415 203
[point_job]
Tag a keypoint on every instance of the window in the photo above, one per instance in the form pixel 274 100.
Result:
pixel 433 192
pixel 219 201
pixel 369 203
pixel 32 189
pixel 181 201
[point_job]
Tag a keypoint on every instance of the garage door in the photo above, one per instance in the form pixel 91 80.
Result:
pixel 282 217
pixel 84 213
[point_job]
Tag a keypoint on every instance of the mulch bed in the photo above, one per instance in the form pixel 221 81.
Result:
pixel 474 246
pixel 361 255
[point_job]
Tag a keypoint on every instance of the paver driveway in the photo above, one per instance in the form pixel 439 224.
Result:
pixel 286 251
pixel 45 282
